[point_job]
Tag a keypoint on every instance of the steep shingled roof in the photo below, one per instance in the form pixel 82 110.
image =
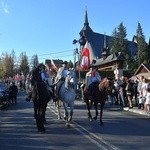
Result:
pixel 99 41
pixel 111 58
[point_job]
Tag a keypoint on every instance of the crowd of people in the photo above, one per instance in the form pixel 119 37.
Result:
pixel 125 91
pixel 129 92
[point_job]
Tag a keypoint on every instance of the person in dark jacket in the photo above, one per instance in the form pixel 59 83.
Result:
pixel 36 77
pixel 13 90
pixel 129 92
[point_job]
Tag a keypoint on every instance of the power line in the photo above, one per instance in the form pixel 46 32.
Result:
pixel 55 56
pixel 54 53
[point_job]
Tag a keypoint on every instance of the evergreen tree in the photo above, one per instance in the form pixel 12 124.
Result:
pixel 119 41
pixel 142 46
pixel 149 51
pixel 34 61
pixel 24 65
pixel 114 42
pixel 7 64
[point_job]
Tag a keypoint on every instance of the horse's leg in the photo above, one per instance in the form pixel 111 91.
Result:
pixel 40 118
pixel 101 113
pixel 96 110
pixel 44 112
pixel 88 105
pixel 66 113
pixel 71 110
pixel 36 115
pixel 35 109
pixel 58 109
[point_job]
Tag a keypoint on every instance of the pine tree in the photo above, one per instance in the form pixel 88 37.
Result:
pixel 7 63
pixel 114 42
pixel 149 51
pixel 34 61
pixel 24 65
pixel 119 41
pixel 142 46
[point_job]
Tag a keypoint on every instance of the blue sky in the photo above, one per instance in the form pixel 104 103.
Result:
pixel 48 27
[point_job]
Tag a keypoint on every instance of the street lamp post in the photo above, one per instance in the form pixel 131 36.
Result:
pixel 76 52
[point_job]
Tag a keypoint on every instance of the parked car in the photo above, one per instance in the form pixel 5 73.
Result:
pixel 4 93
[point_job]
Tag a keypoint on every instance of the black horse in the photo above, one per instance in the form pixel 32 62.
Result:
pixel 40 96
pixel 99 95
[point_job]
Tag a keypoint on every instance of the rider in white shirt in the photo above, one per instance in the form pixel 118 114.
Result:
pixel 61 75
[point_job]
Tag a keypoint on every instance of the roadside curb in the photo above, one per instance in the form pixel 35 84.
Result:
pixel 133 110
pixel 136 110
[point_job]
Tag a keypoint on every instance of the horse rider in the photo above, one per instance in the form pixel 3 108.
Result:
pixel 38 76
pixel 60 77
pixel 92 79
pixel 40 96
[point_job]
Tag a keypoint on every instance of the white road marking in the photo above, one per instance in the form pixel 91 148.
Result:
pixel 98 141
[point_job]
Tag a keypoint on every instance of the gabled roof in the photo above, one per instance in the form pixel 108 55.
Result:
pixel 143 68
pixel 111 58
pixel 99 41
pixel 57 62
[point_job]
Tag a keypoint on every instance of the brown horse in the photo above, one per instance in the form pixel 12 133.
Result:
pixel 40 96
pixel 99 95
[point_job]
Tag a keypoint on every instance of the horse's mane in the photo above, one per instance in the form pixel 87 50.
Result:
pixel 104 84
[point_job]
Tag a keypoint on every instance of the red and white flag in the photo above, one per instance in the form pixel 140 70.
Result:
pixel 53 65
pixel 85 56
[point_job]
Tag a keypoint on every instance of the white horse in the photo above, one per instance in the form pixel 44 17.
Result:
pixel 67 94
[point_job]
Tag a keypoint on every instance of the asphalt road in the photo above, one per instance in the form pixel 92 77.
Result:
pixel 122 130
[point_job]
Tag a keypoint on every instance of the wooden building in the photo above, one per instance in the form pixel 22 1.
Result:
pixel 110 61
pixel 143 70
pixel 100 41
pixel 57 62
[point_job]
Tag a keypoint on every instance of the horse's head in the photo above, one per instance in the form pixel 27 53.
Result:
pixel 105 84
pixel 70 80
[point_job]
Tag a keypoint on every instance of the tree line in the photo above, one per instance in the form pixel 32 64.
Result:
pixel 119 44
pixel 10 65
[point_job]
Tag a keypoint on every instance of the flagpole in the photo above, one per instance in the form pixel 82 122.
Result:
pixel 79 67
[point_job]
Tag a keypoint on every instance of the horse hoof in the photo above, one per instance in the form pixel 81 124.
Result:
pixel 41 132
pixel 95 118
pixel 59 118
pixel 70 119
pixel 101 124
pixel 67 125
pixel 91 119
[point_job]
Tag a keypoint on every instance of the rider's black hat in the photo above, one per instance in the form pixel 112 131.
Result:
pixel 41 66
pixel 65 62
